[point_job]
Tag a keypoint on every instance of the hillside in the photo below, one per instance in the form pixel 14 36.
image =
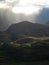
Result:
pixel 25 41
pixel 27 28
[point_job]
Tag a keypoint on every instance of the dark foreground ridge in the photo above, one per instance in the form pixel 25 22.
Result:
pixel 23 50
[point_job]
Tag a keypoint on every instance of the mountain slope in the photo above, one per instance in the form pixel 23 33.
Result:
pixel 27 28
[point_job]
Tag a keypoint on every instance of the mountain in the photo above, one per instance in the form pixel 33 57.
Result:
pixel 21 29
pixel 47 22
pixel 25 47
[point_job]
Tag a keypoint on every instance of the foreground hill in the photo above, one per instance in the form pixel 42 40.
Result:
pixel 3 37
pixel 36 49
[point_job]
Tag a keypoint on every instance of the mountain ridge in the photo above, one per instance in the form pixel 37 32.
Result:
pixel 27 28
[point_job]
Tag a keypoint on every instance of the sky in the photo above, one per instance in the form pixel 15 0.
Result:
pixel 26 7
pixel 14 11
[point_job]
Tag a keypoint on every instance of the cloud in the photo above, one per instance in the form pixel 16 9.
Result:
pixel 43 16
pixel 7 17
pixel 2 0
pixel 44 3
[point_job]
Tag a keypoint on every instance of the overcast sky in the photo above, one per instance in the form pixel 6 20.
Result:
pixel 14 11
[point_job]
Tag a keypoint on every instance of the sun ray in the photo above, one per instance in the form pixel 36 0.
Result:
pixel 25 10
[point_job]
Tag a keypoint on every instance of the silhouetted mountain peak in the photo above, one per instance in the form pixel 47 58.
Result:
pixel 27 28
pixel 24 23
pixel 47 22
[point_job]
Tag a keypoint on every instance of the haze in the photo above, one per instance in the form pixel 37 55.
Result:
pixel 14 11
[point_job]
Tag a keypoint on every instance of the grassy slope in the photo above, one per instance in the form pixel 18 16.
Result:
pixel 4 60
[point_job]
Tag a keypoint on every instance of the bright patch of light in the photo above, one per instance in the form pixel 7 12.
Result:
pixel 24 6
pixel 42 2
pixel 25 10
pixel 5 6
pixel 28 2
pixel 34 2
pixel 2 5
pixel 25 2
pixel 9 1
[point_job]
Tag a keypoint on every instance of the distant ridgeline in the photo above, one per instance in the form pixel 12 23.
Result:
pixel 25 28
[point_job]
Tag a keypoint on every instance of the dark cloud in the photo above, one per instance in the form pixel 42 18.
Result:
pixel 43 16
